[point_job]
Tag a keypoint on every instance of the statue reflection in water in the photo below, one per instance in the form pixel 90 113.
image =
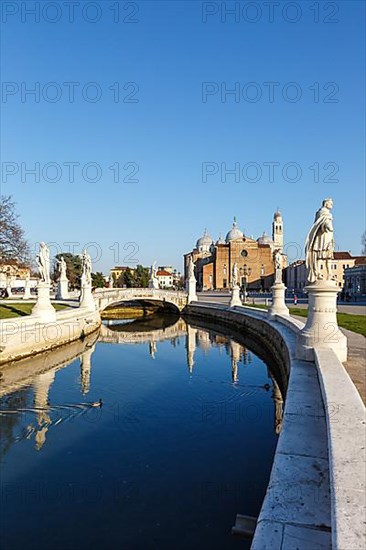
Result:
pixel 85 368
pixel 41 387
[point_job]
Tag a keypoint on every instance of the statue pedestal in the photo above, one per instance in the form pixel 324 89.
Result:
pixel 191 289
pixel 153 283
pixel 43 308
pixel 235 297
pixel 62 289
pixel 278 306
pixel 86 298
pixel 321 329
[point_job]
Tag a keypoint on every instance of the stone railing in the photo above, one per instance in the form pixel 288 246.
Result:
pixel 28 335
pixel 316 493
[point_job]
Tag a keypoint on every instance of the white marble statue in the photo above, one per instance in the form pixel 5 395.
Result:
pixel 86 279
pixel 62 268
pixel 278 266
pixel 153 271
pixel 154 281
pixel 43 263
pixel 111 281
pixel 190 268
pixel 319 245
pixel 235 275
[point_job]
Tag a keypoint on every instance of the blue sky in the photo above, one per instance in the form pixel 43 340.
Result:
pixel 164 127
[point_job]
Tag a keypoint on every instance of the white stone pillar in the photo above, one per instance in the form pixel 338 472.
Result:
pixel 321 328
pixel 278 306
pixel 43 308
pixel 8 286
pixel 235 297
pixel 27 292
pixel 191 289
pixel 62 289
pixel 86 297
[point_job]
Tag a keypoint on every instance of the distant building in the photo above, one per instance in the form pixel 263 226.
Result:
pixel 117 271
pixel 254 258
pixel 165 278
pixel 355 280
pixel 296 276
pixel 168 268
pixel 14 273
pixel 296 273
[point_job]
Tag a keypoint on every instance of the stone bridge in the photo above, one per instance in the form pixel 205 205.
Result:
pixel 105 297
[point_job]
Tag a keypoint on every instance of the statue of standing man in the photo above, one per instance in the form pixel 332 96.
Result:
pixel 235 275
pixel 87 267
pixel 278 266
pixel 190 268
pixel 62 268
pixel 43 263
pixel 319 245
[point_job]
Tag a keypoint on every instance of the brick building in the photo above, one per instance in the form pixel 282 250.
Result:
pixel 214 261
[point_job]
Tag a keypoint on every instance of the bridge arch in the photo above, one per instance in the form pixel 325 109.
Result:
pixel 106 297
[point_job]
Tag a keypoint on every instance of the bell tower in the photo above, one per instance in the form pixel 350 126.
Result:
pixel 277 230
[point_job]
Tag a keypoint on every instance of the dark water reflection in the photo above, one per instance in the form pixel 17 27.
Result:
pixel 184 440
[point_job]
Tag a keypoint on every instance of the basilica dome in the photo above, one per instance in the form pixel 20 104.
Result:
pixel 265 239
pixel 204 243
pixel 234 233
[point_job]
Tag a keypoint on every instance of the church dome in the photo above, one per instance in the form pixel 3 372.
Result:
pixel 265 239
pixel 234 233
pixel 220 240
pixel 277 215
pixel 204 243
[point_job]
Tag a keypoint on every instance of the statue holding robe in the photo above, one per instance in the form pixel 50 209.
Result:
pixel 319 245
pixel 190 268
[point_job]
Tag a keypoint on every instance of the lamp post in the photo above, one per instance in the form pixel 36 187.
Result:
pixel 246 273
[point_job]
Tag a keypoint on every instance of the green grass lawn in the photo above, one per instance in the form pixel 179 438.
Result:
pixel 356 323
pixel 15 309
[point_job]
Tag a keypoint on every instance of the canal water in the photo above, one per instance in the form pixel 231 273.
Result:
pixel 184 440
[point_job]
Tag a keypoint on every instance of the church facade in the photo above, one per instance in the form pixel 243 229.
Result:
pixel 254 257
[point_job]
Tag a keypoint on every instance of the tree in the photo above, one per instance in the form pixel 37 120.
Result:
pixel 142 277
pixel 363 243
pixel 128 278
pixel 13 244
pixel 73 267
pixel 98 280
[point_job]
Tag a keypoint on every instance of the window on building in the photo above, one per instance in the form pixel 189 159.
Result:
pixel 225 283
pixel 321 266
